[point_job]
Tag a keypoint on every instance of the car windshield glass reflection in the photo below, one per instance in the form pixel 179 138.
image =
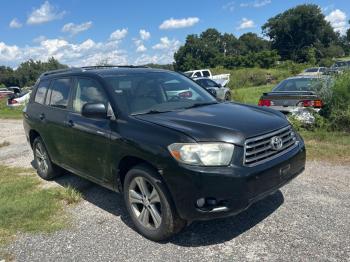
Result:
pixel 156 92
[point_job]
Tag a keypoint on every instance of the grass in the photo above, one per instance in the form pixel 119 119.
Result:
pixel 9 112
pixel 327 146
pixel 5 143
pixel 250 95
pixel 25 207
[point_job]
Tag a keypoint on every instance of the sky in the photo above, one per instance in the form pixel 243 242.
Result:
pixel 80 33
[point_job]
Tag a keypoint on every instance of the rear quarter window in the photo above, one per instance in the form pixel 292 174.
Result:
pixel 206 73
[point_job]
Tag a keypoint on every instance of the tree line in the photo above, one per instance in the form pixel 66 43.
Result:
pixel 300 34
pixel 27 72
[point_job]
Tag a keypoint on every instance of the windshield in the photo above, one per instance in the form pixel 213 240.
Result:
pixel 188 74
pixel 154 92
pixel 300 84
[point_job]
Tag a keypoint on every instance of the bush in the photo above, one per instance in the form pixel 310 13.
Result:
pixel 248 77
pixel 337 108
pixel 292 67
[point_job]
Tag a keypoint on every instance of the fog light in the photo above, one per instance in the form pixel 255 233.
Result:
pixel 200 202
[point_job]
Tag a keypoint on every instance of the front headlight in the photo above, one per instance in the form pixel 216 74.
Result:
pixel 202 154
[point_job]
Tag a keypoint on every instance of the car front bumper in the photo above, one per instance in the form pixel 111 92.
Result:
pixel 234 188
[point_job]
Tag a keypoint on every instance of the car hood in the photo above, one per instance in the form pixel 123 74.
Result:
pixel 226 122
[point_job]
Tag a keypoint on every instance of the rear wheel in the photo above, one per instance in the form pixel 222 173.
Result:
pixel 45 168
pixel 149 204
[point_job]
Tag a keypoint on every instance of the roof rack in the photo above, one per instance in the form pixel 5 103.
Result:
pixel 58 71
pixel 111 66
pixel 85 68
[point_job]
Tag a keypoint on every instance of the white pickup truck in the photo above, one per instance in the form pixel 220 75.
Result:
pixel 222 79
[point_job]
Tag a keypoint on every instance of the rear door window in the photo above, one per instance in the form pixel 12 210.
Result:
pixel 41 92
pixel 60 92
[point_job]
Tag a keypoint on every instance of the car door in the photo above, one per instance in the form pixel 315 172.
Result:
pixel 54 119
pixel 90 137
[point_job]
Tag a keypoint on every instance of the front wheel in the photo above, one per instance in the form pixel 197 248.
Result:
pixel 149 204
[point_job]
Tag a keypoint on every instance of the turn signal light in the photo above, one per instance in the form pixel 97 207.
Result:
pixel 264 102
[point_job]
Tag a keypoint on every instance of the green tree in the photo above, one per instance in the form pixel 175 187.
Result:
pixel 297 29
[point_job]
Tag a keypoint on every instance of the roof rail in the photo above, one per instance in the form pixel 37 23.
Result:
pixel 85 68
pixel 111 66
pixel 57 71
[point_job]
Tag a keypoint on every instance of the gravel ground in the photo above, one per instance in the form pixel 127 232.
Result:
pixel 307 220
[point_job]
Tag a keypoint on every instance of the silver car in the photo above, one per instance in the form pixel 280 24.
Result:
pixel 222 93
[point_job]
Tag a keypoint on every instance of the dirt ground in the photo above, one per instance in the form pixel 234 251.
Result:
pixel 307 220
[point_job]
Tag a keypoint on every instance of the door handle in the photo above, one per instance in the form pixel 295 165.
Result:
pixel 70 123
pixel 42 116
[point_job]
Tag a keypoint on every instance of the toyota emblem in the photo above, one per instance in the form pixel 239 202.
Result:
pixel 276 143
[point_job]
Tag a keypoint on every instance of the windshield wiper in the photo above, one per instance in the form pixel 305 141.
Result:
pixel 201 104
pixel 148 112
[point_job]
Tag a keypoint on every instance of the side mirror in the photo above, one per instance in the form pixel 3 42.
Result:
pixel 219 85
pixel 94 110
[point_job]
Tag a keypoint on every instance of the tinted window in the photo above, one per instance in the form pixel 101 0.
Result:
pixel 205 73
pixel 197 74
pixel 300 84
pixel 60 93
pixel 88 91
pixel 41 92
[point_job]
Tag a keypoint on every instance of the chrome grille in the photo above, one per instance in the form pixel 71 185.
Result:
pixel 260 149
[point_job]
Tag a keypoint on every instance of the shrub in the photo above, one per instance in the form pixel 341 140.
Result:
pixel 337 108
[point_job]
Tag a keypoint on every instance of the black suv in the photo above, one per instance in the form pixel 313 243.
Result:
pixel 165 142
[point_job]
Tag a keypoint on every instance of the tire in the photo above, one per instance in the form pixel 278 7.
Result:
pixel 228 96
pixel 44 167
pixel 143 204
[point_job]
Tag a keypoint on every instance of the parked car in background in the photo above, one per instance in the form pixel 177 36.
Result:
pixel 4 92
pixel 18 99
pixel 222 79
pixel 338 67
pixel 314 71
pixel 298 91
pixel 14 89
pixel 176 159
pixel 221 93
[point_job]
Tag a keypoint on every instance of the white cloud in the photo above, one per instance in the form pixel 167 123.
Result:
pixel 118 34
pixel 45 13
pixel 144 35
pixel 15 23
pixel 256 3
pixel 39 39
pixel 230 6
pixel 337 19
pixel 179 23
pixel 141 48
pixel 75 29
pixel 87 52
pixel 166 43
pixel 245 24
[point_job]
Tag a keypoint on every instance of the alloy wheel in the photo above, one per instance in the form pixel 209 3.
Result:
pixel 145 203
pixel 42 159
